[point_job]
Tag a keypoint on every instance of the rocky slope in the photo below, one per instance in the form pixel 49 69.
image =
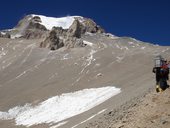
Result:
pixel 69 58
pixel 149 111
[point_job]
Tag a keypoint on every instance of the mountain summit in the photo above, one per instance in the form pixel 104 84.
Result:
pixel 58 32
pixel 37 26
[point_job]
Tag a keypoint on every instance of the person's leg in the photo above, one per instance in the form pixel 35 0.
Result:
pixel 157 79
pixel 157 83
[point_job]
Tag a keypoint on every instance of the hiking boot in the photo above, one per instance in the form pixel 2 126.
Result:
pixel 157 88
pixel 160 90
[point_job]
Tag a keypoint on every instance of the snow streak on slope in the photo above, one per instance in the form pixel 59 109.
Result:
pixel 89 118
pixel 50 22
pixel 59 108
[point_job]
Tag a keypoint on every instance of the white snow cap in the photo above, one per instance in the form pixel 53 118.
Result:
pixel 50 22
pixel 59 108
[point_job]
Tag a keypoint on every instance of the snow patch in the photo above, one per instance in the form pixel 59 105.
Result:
pixel 2 52
pixel 137 45
pixel 111 35
pixel 135 39
pixel 89 118
pixel 65 57
pixel 16 36
pixel 165 50
pixel 3 33
pixel 9 30
pixel 59 124
pixel 117 46
pixel 24 72
pixel 143 47
pixel 119 58
pixel 88 43
pixel 7 65
pixel 50 22
pixel 89 60
pixel 59 108
pixel 99 74
pixel 121 47
pixel 131 43
pixel 126 48
pixel 89 33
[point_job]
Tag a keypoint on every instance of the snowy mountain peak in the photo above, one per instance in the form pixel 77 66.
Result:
pixel 50 22
pixel 38 26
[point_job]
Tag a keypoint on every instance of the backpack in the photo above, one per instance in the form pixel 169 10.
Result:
pixel 158 61
pixel 164 70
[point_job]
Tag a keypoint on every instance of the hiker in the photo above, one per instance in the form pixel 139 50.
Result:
pixel 161 71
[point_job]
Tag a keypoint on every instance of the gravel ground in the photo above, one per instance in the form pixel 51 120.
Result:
pixel 152 110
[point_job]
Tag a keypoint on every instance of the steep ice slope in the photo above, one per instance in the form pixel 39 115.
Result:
pixel 29 74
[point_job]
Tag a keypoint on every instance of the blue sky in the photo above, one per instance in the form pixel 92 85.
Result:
pixel 145 20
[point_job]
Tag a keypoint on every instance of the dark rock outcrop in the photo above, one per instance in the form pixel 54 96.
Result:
pixel 35 25
pixel 34 34
pixel 34 29
pixel 53 41
pixel 30 28
pixel 72 42
pixel 92 27
pixel 76 29
pixel 30 22
pixel 70 38
pixel 59 31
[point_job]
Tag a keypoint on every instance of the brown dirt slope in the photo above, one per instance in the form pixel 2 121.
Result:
pixel 150 111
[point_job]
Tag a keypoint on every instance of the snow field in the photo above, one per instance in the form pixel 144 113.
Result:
pixel 59 108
